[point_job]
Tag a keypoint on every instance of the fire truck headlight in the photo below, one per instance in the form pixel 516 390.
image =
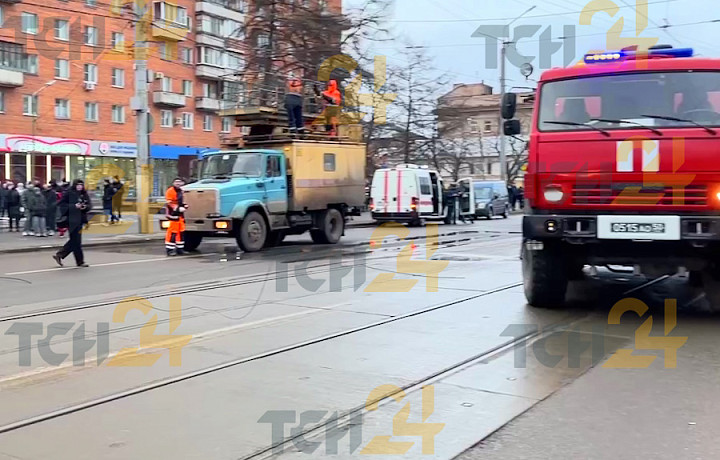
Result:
pixel 554 194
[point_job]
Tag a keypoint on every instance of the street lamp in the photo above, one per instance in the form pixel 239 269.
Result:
pixel 503 50
pixel 28 158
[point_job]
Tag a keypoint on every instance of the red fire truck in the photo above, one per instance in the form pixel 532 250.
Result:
pixel 624 169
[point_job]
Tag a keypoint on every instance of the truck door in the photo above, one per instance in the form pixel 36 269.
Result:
pixel 276 197
pixel 467 199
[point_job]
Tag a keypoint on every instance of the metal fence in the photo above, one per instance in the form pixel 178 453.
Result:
pixel 266 96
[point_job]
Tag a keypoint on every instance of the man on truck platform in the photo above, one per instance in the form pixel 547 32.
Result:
pixel 175 212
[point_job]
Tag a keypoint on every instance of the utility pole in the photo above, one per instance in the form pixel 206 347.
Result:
pixel 143 171
pixel 503 53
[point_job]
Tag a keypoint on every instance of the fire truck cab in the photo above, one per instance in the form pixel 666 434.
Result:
pixel 624 169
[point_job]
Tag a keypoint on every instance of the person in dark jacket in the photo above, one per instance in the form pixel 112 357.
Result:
pixel 3 199
pixel 62 187
pixel 12 203
pixel 74 207
pixel 37 208
pixel 109 192
pixel 51 200
pixel 117 199
pixel 451 198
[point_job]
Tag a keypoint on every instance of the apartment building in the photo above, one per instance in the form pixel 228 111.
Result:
pixel 67 79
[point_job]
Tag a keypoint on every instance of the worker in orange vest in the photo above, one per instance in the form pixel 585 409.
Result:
pixel 174 210
pixel 332 99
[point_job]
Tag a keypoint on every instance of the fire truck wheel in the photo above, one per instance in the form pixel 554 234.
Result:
pixel 192 240
pixel 253 232
pixel 332 226
pixel 274 238
pixel 711 286
pixel 545 276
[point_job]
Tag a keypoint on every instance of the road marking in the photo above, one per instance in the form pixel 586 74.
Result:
pixel 172 343
pixel 127 262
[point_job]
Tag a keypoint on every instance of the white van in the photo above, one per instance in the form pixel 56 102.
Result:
pixel 407 194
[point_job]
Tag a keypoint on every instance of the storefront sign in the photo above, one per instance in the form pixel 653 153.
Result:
pixel 60 146
pixel 47 145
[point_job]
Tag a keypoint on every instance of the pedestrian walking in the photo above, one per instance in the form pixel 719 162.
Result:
pixel 13 206
pixel 63 187
pixel 117 199
pixel 37 208
pixel 109 191
pixel 512 196
pixel 521 197
pixel 51 200
pixel 74 207
pixel 175 212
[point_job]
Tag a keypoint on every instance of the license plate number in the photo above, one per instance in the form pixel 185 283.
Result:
pixel 638 228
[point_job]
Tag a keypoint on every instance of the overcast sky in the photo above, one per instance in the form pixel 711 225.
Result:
pixel 445 28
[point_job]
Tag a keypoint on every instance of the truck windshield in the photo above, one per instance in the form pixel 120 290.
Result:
pixel 231 164
pixel 483 193
pixel 631 101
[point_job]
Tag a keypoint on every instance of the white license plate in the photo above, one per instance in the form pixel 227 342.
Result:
pixel 638 227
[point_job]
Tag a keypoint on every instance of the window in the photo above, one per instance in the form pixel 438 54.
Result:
pixel 210 90
pixel 118 114
pixel 166 118
pixel 273 166
pixel 62 108
pixel 186 55
pixel 425 188
pixel 62 29
pixel 32 63
pixel 2 101
pixel 187 120
pixel 207 123
pixel 210 56
pixel 263 40
pixel 29 23
pixel 91 2
pixel 187 87
pixel 91 111
pixel 226 124
pixel 329 162
pixel 171 13
pixel 167 84
pixel 118 78
pixel 30 104
pixel 90 73
pixel 166 51
pixel 62 69
pixel 117 41
pixel 487 127
pixel 90 36
pixel 234 61
pixel 2 16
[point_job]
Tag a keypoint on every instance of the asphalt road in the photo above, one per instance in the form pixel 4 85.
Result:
pixel 281 354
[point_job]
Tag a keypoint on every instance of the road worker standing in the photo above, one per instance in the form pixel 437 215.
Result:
pixel 174 210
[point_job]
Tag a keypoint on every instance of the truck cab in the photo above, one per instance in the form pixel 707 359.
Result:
pixel 623 165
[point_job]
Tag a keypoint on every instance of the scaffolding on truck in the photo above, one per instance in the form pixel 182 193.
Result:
pixel 260 114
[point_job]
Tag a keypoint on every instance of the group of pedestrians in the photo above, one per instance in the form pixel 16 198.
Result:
pixel 516 196
pixel 36 203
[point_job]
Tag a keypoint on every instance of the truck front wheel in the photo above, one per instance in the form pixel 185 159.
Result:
pixel 192 240
pixel 332 225
pixel 545 276
pixel 252 233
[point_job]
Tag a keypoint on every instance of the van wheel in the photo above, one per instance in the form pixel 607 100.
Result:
pixel 506 213
pixel 491 213
pixel 253 232
pixel 192 240
pixel 545 277
pixel 332 225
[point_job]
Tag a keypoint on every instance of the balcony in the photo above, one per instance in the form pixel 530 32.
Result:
pixel 220 9
pixel 167 99
pixel 207 103
pixel 170 30
pixel 211 72
pixel 13 62
pixel 11 77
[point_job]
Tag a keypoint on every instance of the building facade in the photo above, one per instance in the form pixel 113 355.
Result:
pixel 469 122
pixel 67 84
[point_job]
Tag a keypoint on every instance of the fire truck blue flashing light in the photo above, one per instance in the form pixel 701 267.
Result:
pixel 614 56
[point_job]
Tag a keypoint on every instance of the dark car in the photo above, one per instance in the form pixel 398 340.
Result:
pixel 491 199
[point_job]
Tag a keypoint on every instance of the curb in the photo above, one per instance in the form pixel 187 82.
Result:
pixel 100 244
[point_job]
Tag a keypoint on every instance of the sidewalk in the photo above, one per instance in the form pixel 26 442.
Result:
pixel 98 235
